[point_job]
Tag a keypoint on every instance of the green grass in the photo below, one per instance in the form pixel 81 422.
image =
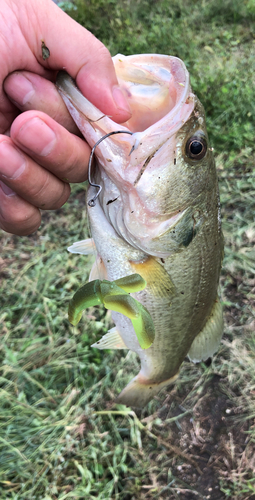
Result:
pixel 61 436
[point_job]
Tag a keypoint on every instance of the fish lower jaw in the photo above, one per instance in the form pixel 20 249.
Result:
pixel 141 390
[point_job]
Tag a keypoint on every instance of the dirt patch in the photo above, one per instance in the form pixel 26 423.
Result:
pixel 213 441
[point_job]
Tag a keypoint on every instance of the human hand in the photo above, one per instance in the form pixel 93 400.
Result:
pixel 43 153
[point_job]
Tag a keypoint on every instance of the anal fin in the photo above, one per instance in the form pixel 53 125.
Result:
pixel 111 340
pixel 208 340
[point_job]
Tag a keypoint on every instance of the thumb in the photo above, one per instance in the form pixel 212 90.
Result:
pixel 85 58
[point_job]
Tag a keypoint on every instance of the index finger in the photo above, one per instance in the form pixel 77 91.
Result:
pixel 84 57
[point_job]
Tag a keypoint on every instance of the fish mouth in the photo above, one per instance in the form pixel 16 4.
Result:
pixel 154 85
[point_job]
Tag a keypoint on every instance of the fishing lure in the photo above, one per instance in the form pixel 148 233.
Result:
pixel 114 295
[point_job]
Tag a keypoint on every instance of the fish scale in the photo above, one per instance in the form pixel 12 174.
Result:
pixel 157 215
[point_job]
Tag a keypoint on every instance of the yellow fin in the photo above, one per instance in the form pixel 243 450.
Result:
pixel 111 340
pixel 208 340
pixel 159 283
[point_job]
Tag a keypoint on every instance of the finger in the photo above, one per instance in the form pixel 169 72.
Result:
pixel 15 53
pixel 8 112
pixel 85 58
pixel 30 91
pixel 71 47
pixel 51 145
pixel 17 216
pixel 33 183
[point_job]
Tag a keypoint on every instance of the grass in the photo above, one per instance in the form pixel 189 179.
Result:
pixel 61 436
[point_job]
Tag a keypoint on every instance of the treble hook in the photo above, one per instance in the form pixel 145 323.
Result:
pixel 91 202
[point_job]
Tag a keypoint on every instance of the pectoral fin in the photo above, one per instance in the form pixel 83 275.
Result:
pixel 159 283
pixel 207 341
pixel 84 247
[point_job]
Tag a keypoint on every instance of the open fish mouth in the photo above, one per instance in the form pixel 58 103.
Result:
pixel 154 85
pixel 157 88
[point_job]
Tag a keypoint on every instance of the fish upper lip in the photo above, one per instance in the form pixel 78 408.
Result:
pixel 70 91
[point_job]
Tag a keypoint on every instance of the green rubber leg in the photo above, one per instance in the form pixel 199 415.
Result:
pixel 140 317
pixel 122 303
pixel 87 296
pixel 144 328
pixel 115 296
pixel 132 283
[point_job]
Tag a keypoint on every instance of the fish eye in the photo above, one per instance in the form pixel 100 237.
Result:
pixel 196 147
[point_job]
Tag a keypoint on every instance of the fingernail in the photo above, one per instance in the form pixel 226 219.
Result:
pixel 19 88
pixel 120 99
pixel 7 191
pixel 36 136
pixel 12 163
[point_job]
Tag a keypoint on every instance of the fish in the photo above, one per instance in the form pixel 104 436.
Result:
pixel 157 215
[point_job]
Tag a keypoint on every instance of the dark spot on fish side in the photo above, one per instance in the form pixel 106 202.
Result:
pixel 132 211
pixel 182 293
pixel 175 161
pixel 189 237
pixel 108 260
pixel 162 260
pixel 111 201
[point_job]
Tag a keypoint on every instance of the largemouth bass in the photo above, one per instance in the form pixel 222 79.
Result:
pixel 158 215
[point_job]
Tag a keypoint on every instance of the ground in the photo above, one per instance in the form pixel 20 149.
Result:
pixel 61 434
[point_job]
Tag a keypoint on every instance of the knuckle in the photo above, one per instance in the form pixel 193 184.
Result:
pixel 99 51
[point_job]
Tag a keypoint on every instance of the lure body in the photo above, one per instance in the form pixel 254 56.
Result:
pixel 114 295
pixel 157 215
